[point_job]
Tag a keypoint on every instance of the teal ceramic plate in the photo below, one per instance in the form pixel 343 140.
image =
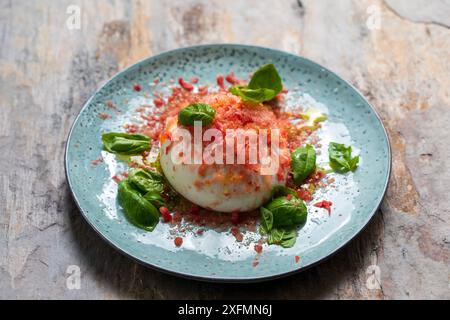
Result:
pixel 216 256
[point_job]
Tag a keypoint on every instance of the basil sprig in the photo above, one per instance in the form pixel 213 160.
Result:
pixel 140 196
pixel 138 210
pixel 201 112
pixel 341 159
pixel 303 163
pixel 281 216
pixel 264 86
pixel 126 143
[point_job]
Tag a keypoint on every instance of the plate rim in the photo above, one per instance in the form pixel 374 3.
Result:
pixel 218 279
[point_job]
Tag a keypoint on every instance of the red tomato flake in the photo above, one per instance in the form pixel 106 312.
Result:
pixel 235 218
pixel 194 80
pixel 285 90
pixel 137 87
pixel 237 234
pixel 200 232
pixel 221 82
pixel 289 197
pixel 110 104
pixel 97 161
pixel 158 102
pixel 178 241
pixel 231 79
pixel 297 259
pixel 125 174
pixel 258 248
pixel 165 213
pixel 325 205
pixel 185 85
pixel 117 179
pixel 203 90
pixel 104 116
pixel 304 194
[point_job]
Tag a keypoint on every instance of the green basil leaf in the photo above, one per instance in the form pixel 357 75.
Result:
pixel 126 143
pixel 283 237
pixel 303 163
pixel 287 212
pixel 155 198
pixel 253 95
pixel 196 112
pixel 146 181
pixel 264 86
pixel 266 219
pixel 266 77
pixel 341 159
pixel 138 210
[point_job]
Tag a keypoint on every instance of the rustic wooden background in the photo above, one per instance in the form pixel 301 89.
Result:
pixel 401 63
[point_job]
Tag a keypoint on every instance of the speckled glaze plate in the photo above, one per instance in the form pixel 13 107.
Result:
pixel 216 256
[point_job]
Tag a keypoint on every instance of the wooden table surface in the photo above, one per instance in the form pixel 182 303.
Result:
pixel 397 52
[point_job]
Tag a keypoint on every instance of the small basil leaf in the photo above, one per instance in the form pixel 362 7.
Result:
pixel 266 77
pixel 266 219
pixel 287 212
pixel 284 237
pixel 303 163
pixel 341 159
pixel 138 210
pixel 253 95
pixel 125 143
pixel 201 112
pixel 264 86
pixel 146 181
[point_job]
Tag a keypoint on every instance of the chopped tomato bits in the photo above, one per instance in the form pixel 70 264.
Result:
pixel 178 241
pixel 165 214
pixel 137 87
pixel 297 259
pixel 258 248
pixel 304 194
pixel 325 205
pixel 221 82
pixel 158 102
pixel 185 85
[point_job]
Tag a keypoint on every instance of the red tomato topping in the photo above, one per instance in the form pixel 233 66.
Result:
pixel 297 259
pixel 258 248
pixel 221 82
pixel 194 80
pixel 304 194
pixel 231 78
pixel 158 102
pixel 165 214
pixel 235 218
pixel 117 179
pixel 185 85
pixel 137 87
pixel 325 205
pixel 289 196
pixel 178 241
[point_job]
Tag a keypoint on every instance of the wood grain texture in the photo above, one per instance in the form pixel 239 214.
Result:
pixel 48 71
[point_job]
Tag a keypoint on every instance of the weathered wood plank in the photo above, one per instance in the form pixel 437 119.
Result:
pixel 47 71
